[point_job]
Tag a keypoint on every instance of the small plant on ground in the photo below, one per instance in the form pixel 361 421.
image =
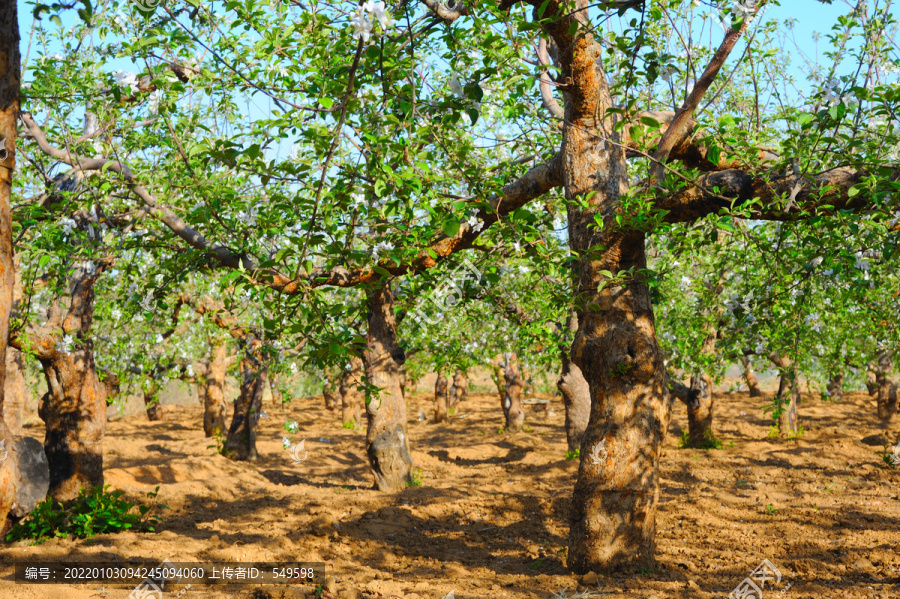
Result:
pixel 350 425
pixel 571 455
pixel 95 511
pixel 219 443
pixel 709 441
pixel 771 509
pixel 416 479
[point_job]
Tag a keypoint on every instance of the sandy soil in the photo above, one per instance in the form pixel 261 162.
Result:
pixel 490 519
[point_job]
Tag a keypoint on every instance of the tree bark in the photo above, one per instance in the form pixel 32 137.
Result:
pixel 351 399
pixel 788 396
pixel 575 393
pixel 497 377
pixel 512 399
pixel 700 411
pixel 886 390
pixel 151 401
pixel 240 444
pixel 14 391
pixel 750 377
pixel 835 387
pixel 440 398
pixel 387 441
pixel 214 392
pixel 330 394
pixel 10 83
pixel 459 392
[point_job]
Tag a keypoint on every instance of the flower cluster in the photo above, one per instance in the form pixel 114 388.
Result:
pixel 362 23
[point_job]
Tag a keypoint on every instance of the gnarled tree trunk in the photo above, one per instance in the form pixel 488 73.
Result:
pixel 213 394
pixel 512 401
pixel 835 387
pixel 440 398
pixel 351 399
pixel 10 83
pixel 151 401
pixel 750 377
pixel 788 396
pixel 459 391
pixel 576 394
pixel 330 394
pixel 387 442
pixel 885 389
pixel 240 444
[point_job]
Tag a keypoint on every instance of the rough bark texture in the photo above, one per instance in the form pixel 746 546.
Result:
pixel 441 413
pixel 352 402
pixel 330 394
pixel 497 377
pixel 213 394
pixel 10 83
pixel 886 390
pixel 459 391
pixel 151 401
pixel 576 394
pixel 835 387
pixel 14 391
pixel 512 400
pixel 387 442
pixel 700 411
pixel 788 396
pixel 240 444
pixel 750 377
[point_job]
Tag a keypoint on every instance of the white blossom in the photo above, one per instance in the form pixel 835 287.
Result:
pixel 126 79
pixel 362 26
pixel 153 101
pixel 65 344
pixel 455 85
pixel 475 222
pixel 67 225
pixel 286 442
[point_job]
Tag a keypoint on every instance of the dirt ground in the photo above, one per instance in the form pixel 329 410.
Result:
pixel 490 519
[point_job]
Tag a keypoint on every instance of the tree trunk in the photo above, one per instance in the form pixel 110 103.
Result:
pixel 512 400
pixel 214 392
pixel 329 394
pixel 10 73
pixel 277 395
pixel 151 402
pixel 835 387
pixel 497 377
pixel 440 398
pixel 575 393
pixel 14 391
pixel 403 382
pixel 240 444
pixel 387 442
pixel 700 411
pixel 750 377
pixel 459 392
pixel 886 390
pixel 351 399
pixel 788 398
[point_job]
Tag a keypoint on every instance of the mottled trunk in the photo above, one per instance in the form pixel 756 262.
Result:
pixel 387 443
pixel 351 399
pixel 10 73
pixel 214 392
pixel 151 401
pixel 14 391
pixel 497 377
pixel 576 394
pixel 750 377
pixel 788 397
pixel 835 387
pixel 459 391
pixel 512 400
pixel 330 394
pixel 886 390
pixel 700 411
pixel 240 444
pixel 872 379
pixel 440 398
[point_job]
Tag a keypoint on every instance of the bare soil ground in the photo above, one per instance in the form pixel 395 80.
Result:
pixel 490 519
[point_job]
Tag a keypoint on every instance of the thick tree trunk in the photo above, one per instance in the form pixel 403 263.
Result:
pixel 151 402
pixel 240 444
pixel 872 379
pixel 387 441
pixel 788 397
pixel 459 392
pixel 14 391
pixel 835 387
pixel 576 394
pixel 214 392
pixel 512 400
pixel 441 413
pixel 886 390
pixel 10 74
pixel 700 411
pixel 750 377
pixel 351 399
